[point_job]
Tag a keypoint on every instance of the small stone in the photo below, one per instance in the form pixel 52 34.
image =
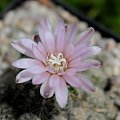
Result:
pixel 29 116
pixel 117 103
pixel 1 24
pixel 60 117
pixel 26 25
pixel 116 68
pixel 9 18
pixel 118 116
pixel 82 26
pixel 111 44
pixel 5 112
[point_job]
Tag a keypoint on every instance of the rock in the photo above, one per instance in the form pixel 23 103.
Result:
pixel 82 26
pixel 60 117
pixel 111 44
pixel 29 116
pixel 117 103
pixel 9 18
pixel 1 24
pixel 118 116
pixel 6 112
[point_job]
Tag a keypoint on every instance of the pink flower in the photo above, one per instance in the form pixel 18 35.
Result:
pixel 56 58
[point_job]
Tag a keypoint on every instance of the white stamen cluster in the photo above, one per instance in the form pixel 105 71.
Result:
pixel 57 62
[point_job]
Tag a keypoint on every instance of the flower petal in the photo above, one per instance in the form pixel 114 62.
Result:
pixel 18 47
pixel 28 43
pixel 75 62
pixel 38 54
pixel 21 48
pixel 42 49
pixel 41 32
pixel 61 93
pixel 71 33
pixel 40 78
pixel 23 76
pixel 72 80
pixel 46 91
pixel 91 51
pixel 25 63
pixel 77 51
pixel 54 81
pixel 87 85
pixel 60 36
pixel 86 36
pixel 71 71
pixel 45 23
pixel 85 52
pixel 50 42
pixel 69 50
pixel 88 64
pixel 37 69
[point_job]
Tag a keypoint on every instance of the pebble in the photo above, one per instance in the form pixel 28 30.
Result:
pixel 118 116
pixel 117 103
pixel 5 112
pixel 29 116
pixel 60 117
pixel 9 17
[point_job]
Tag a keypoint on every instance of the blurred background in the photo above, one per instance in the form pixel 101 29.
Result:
pixel 23 101
pixel 106 12
pixel 4 3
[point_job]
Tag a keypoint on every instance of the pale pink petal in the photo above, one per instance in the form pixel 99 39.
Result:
pixel 40 78
pixel 49 69
pixel 28 43
pixel 41 32
pixel 42 49
pixel 71 71
pixel 87 85
pixel 88 64
pixel 72 80
pixel 25 63
pixel 37 69
pixel 86 36
pixel 54 81
pixel 61 93
pixel 44 26
pixel 94 50
pixel 86 52
pixel 23 76
pixel 69 50
pixel 45 23
pixel 71 33
pixel 19 47
pixel 38 54
pixel 50 42
pixel 77 51
pixel 46 91
pixel 60 36
pixel 75 62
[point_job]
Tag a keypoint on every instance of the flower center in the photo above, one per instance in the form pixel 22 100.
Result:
pixel 57 62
